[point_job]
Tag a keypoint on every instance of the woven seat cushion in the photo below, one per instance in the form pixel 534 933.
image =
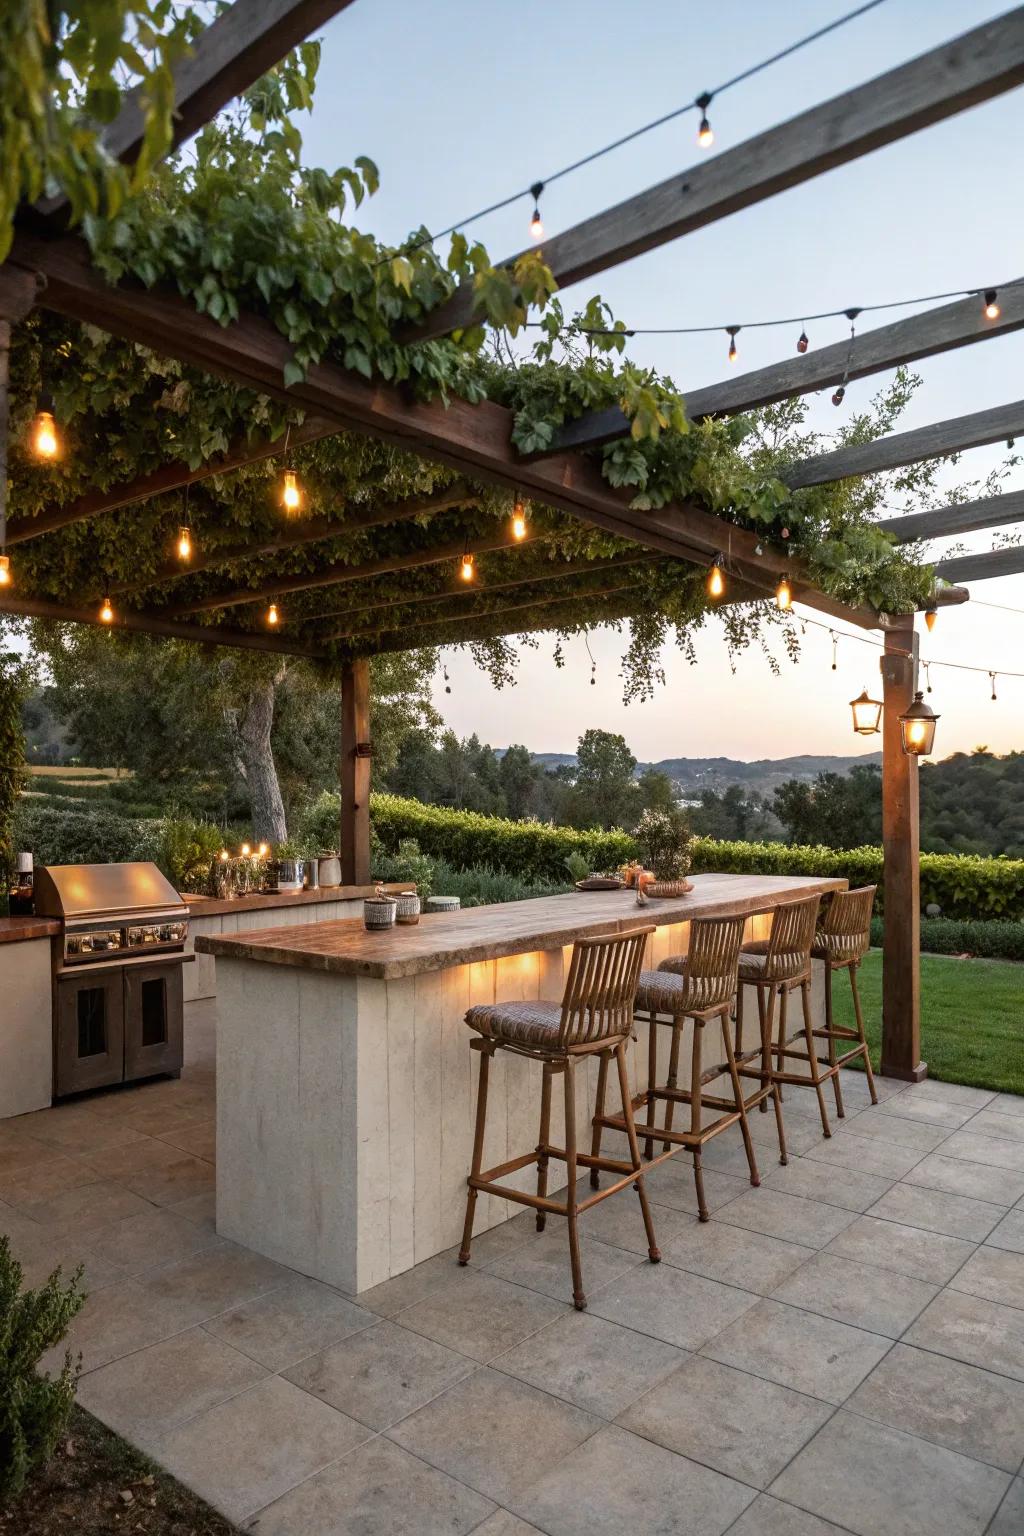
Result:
pixel 675 964
pixel 752 960
pixel 660 991
pixel 528 1023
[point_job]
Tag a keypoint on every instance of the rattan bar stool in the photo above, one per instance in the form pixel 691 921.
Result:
pixel 775 967
pixel 842 941
pixel 594 1018
pixel 698 986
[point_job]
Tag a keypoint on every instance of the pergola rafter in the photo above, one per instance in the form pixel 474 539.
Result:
pixel 958 517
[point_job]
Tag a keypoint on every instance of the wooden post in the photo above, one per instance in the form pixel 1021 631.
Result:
pixel 354 771
pixel 901 951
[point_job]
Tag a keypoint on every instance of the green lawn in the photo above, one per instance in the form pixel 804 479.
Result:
pixel 972 1018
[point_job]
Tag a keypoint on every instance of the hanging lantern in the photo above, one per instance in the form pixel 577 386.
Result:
pixel 45 442
pixel 518 520
pixel 784 594
pixel 5 571
pixel 917 728
pixel 184 543
pixel 291 492
pixel 273 617
pixel 867 714
pixel 106 612
pixel 716 580
pixel 467 569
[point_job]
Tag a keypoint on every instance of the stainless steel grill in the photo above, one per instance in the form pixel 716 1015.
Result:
pixel 127 911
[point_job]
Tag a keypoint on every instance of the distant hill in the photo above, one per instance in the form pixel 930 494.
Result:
pixel 692 774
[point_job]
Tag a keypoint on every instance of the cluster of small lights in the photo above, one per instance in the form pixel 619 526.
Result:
pixel 245 852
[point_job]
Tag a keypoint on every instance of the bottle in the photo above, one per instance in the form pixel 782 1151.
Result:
pixel 21 893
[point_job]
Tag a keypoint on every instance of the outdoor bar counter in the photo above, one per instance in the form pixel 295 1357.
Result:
pixel 345 1082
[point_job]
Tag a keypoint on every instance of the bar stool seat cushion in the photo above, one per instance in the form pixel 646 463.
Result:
pixel 675 965
pixel 660 991
pixel 753 955
pixel 535 1022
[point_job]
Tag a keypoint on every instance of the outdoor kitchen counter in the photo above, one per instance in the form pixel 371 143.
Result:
pixel 345 1081
pixel 15 930
pixel 269 901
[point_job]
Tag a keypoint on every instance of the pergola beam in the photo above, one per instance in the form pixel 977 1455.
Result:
pixel 154 624
pixel 958 517
pixel 983 567
pixel 936 441
pixel 972 68
pixel 906 341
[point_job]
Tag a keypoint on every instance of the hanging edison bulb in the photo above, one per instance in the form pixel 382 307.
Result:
pixel 273 617
pixel 291 492
pixel 733 351
pixel 45 442
pixel 930 615
pixel 536 223
pixel 518 520
pixel 245 851
pixel 705 136
pixel 106 612
pixel 784 594
pixel 467 570
pixel 184 543
pixel 5 571
pixel 716 579
pixel 802 342
pixel 991 306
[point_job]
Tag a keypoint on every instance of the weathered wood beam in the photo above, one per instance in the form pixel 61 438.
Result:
pixel 342 575
pixel 143 623
pixel 983 567
pixel 294 535
pixel 936 441
pixel 354 766
pixel 473 439
pixel 235 50
pixel 169 477
pixel 958 517
pixel 905 341
pixel 901 943
pixel 972 68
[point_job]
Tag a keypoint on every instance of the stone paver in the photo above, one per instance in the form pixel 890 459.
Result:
pixel 882 1270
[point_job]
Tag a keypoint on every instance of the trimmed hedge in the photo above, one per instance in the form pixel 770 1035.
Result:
pixel 966 886
pixel 995 940
pixel 92 836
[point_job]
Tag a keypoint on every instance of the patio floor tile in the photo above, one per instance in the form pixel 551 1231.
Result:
pixel 792 1217
pixel 882 1482
pixel 881 1123
pixel 284 1325
pixel 735 1255
pixel 544 1265
pixel 618 1222
pixel 82 1211
pixel 381 1374
pixel 960 1406
pixel 116 1321
pixel 927 1256
pixel 1007 1127
pixel 991 1151
pixel 495 1433
pixel 1010 1519
pixel 199 1137
pixel 155 1237
pixel 592 1363
pixel 739 1424
pixel 952 1093
pixel 36 1181
pixel 800 1350
pixel 41 1252
pixel 1007 1104
pixel 372 1492
pixel 671 1184
pixel 999 1186
pixel 393 1296
pixel 246 1452
pixel 503 1523
pixel 995 1274
pixel 938 1211
pixel 480 1315
pixel 863 1154
pixel 215 1280
pixel 164 1384
pixel 846 1187
pixel 859 1294
pixel 200 1209
pixel 672 1304
pixel 182 1177
pixel 968 1328
pixel 618 1482
pixel 927 1110
pixel 768 1516
pixel 1009 1233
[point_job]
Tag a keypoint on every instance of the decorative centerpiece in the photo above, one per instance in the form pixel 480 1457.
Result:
pixel 665 839
pixel 408 908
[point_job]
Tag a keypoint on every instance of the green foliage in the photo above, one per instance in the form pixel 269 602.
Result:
pixel 973 802
pixel 837 810
pixel 15 680
pixel 33 1408
pixel 185 850
pixel 482 886
pixel 526 849
pixel 577 866
pixel 664 838
pixel 57 836
pixel 993 940
pixel 408 863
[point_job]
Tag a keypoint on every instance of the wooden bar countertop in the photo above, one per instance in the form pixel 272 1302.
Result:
pixel 507 928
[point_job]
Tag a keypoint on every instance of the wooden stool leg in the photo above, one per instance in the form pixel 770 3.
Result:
pixel 863 1038
pixel 766 1061
pixel 478 1152
pixel 578 1298
pixel 832 1053
pixel 805 997
pixel 673 1078
pixel 780 1034
pixel 653 1251
pixel 697 1115
pixel 766 1044
pixel 698 1179
pixel 737 1092
pixel 652 1079
pixel 595 1140
pixel 543 1143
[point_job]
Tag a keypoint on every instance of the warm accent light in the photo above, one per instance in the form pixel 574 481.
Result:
pixel 291 492
pixel 991 307
pixel 705 136
pixel 184 543
pixel 245 850
pixel 930 615
pixel 467 570
pixel 733 351
pixel 867 714
pixel 536 223
pixel 263 850
pixel 106 612
pixel 917 728
pixel 802 342
pixel 224 856
pixel 519 521
pixel 273 617
pixel 784 594
pixel 45 442
pixel 5 570
pixel 716 580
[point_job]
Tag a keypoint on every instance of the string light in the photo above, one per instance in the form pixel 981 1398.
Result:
pixel 518 520
pixel 835 649
pixel 705 136
pixel 447 679
pixel 784 594
pixel 106 612
pixel 716 579
pixel 992 680
pixel 991 307
pixel 273 617
pixel 732 331
pixel 840 394
pixel 536 223
pixel 467 569
pixel 802 342
pixel 928 676
pixel 5 571
pixel 184 543
pixel 291 492
pixel 45 442
pixel 593 663
pixel 930 617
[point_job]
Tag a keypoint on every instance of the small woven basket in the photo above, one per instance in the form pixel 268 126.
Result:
pixel 379 912
pixel 661 888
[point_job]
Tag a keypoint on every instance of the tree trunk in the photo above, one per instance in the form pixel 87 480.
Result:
pixel 257 764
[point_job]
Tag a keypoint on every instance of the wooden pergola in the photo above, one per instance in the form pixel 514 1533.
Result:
pixel 215 601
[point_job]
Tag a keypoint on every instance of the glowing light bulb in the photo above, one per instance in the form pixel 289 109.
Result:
pixel 224 856
pixel 519 521
pixel 273 617
pixel 840 395
pixel 716 581
pixel 930 616
pixel 536 224
pixel 802 342
pixel 106 612
pixel 291 492
pixel 467 569
pixel 5 570
pixel 184 544
pixel 263 850
pixel 733 352
pixel 784 594
pixel 705 133
pixel 245 850
pixel 991 307
pixel 916 732
pixel 45 443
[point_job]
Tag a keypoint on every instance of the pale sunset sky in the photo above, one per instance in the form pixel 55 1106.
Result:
pixel 462 101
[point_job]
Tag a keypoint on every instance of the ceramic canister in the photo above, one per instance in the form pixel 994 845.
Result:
pixel 408 908
pixel 330 870
pixel 443 903
pixel 379 912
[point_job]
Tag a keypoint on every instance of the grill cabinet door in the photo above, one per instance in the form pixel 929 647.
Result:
pixel 89 1047
pixel 153 1008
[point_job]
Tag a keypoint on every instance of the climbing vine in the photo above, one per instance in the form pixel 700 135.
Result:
pixel 14 685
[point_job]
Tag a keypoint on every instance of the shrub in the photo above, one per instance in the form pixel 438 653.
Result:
pixel 318 825
pixel 665 839
pixel 407 864
pixel 995 940
pixel 57 836
pixel 185 851
pixel 482 886
pixel 33 1408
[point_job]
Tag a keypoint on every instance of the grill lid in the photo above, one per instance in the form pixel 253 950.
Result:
pixel 103 890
